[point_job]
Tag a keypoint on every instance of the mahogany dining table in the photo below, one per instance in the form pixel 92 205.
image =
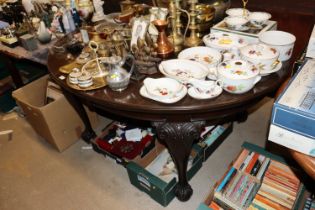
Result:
pixel 177 125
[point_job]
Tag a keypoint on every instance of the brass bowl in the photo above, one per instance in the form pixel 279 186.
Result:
pixel 205 13
pixel 95 35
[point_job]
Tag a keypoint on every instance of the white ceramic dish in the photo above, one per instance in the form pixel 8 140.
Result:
pixel 281 40
pixel 74 75
pixel 85 80
pixel 259 18
pixel 238 76
pixel 183 70
pixel 224 41
pixel 194 93
pixel 180 95
pixel 204 55
pixel 267 72
pixel 162 88
pixel 237 12
pixel 263 56
pixel 236 23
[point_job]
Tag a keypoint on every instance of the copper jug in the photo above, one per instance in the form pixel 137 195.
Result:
pixel 165 48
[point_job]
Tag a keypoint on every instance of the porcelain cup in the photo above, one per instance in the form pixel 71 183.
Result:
pixel 205 86
pixel 281 40
pixel 258 19
pixel 236 23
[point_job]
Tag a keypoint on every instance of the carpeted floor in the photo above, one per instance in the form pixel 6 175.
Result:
pixel 34 176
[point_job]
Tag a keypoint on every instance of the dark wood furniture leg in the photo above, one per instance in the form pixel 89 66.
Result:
pixel 14 72
pixel 88 132
pixel 179 138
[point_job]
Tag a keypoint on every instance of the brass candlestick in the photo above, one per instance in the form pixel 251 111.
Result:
pixel 193 40
pixel 176 37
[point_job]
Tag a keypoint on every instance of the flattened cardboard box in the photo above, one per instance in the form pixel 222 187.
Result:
pixel 161 191
pixel 57 122
pixel 293 114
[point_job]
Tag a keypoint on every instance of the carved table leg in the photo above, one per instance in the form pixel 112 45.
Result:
pixel 88 132
pixel 15 74
pixel 179 138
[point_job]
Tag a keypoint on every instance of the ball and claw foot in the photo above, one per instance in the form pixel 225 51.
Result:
pixel 183 193
pixel 87 135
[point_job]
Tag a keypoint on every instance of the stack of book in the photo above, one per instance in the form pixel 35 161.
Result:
pixel 279 189
pixel 309 203
pixel 258 180
pixel 241 183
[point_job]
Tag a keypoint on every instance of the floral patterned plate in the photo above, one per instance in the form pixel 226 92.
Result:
pixel 204 55
pixel 177 97
pixel 223 41
pixel 183 70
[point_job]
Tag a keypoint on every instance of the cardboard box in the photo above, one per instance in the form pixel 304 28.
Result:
pixel 212 139
pixel 251 36
pixel 294 111
pixel 252 147
pixel 57 122
pixel 157 188
pixel 310 52
pixel 106 145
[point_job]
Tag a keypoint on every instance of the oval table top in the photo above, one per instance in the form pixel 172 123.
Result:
pixel 129 102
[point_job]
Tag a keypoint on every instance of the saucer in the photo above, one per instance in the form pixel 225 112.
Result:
pixel 181 94
pixel 267 72
pixel 196 95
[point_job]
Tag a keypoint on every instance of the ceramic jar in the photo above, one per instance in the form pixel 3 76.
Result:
pixel 237 76
pixel 44 36
pixel 263 56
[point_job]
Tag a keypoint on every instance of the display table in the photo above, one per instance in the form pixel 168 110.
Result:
pixel 9 55
pixel 178 125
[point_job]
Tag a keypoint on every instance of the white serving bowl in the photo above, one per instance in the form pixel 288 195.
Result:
pixel 162 88
pixel 259 18
pixel 183 70
pixel 223 41
pixel 204 55
pixel 264 57
pixel 281 40
pixel 238 76
pixel 237 23
pixel 237 12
